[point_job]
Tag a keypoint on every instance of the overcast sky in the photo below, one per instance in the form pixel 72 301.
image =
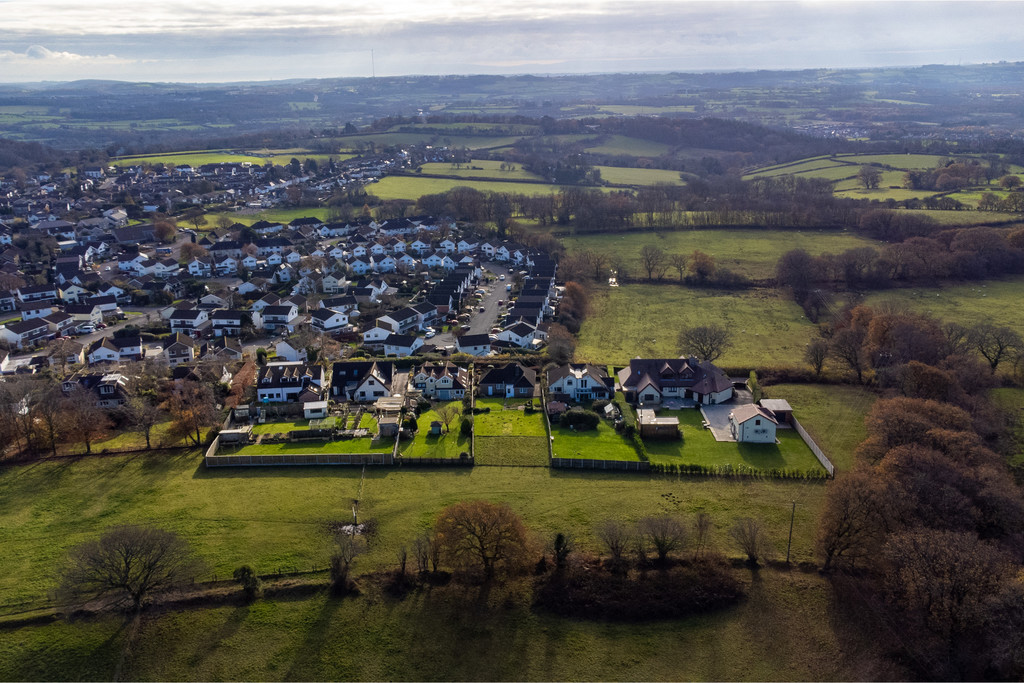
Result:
pixel 204 41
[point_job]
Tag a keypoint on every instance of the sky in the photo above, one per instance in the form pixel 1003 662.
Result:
pixel 206 41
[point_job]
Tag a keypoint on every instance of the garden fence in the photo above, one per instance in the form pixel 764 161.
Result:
pixel 591 464
pixel 818 453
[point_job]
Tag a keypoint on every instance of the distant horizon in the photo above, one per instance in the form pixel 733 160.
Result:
pixel 512 75
pixel 177 41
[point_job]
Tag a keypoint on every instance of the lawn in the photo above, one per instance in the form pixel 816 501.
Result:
pixel 511 421
pixel 699 447
pixel 644 320
pixel 354 445
pixel 603 443
pixel 426 445
pixel 753 253
pixel 279 427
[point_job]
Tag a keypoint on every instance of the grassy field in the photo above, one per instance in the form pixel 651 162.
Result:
pixel 257 157
pixel 698 447
pixel 411 187
pixel 603 443
pixel 481 168
pixel 777 633
pixel 753 253
pixel 356 142
pixel 644 320
pixel 995 301
pixel 509 436
pixel 639 176
pixel 627 146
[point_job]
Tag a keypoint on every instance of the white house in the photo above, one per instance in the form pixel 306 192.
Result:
pixel 752 424
pixel 401 345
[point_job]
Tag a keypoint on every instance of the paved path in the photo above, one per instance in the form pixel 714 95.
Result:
pixel 718 417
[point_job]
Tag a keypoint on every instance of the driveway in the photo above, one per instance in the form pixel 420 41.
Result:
pixel 718 417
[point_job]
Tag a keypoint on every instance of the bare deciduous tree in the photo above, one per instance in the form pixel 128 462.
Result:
pixel 482 535
pixel 616 537
pixel 706 342
pixel 816 354
pixel 750 539
pixel 701 533
pixel 665 534
pixel 127 564
pixel 448 412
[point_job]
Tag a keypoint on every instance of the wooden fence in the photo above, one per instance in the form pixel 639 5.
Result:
pixel 818 453
pixel 590 464
pixel 435 462
pixel 300 459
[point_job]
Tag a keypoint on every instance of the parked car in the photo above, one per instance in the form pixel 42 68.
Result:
pixel 501 277
pixel 483 309
pixel 430 332
pixel 508 288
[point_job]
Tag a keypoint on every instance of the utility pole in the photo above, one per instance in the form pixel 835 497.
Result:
pixel 789 543
pixel 373 68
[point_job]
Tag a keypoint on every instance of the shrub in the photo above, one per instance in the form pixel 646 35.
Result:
pixel 580 419
pixel 466 427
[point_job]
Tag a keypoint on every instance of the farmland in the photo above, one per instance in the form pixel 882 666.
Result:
pixel 412 187
pixel 257 157
pixel 644 320
pixel 753 253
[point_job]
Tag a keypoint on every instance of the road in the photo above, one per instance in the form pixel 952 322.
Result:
pixel 481 323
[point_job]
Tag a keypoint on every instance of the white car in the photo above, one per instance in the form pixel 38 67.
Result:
pixel 501 277
pixel 430 332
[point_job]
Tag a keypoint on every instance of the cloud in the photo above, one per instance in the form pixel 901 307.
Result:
pixel 40 53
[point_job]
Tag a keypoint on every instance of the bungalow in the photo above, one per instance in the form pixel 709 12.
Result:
pixel 114 349
pixel 579 382
pixel 751 423
pixel 653 381
pixel 474 344
pixel 509 381
pixel 442 381
pixel 401 345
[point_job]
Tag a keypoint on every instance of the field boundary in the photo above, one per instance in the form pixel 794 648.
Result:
pixel 300 459
pixel 812 444
pixel 592 464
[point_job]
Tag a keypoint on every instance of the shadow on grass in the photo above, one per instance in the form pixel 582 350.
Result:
pixel 762 455
pixel 214 638
pixel 280 471
pixel 318 634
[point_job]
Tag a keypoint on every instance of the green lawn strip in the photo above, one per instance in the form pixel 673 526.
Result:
pixel 367 421
pixel 160 436
pixel 644 320
pixel 511 450
pixel 427 445
pixel 832 414
pixel 356 445
pixel 603 443
pixel 508 422
pixel 279 427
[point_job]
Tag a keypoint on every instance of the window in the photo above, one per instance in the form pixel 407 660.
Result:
pixel 757 423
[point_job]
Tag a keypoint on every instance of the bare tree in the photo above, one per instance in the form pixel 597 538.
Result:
pixel 347 547
pixel 59 350
pixel 852 526
pixel 679 262
pixel 448 412
pixel 192 410
pixel 666 534
pixel 869 176
pixel 126 564
pixel 83 420
pixel 482 535
pixel 707 342
pixel 848 346
pixel 995 344
pixel 816 354
pixel 421 552
pixel 653 261
pixel 616 537
pixel 749 536
pixel 142 415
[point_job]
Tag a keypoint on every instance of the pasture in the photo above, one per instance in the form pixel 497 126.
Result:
pixel 644 320
pixel 413 187
pixel 451 633
pixel 638 177
pixel 994 301
pixel 481 168
pixel 750 252
pixel 621 145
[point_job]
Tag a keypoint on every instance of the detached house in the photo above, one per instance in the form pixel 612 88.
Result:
pixel 363 381
pixel 509 381
pixel 180 348
pixel 189 320
pixel 579 382
pixel 285 315
pixel 278 382
pixel 655 380
pixel 441 381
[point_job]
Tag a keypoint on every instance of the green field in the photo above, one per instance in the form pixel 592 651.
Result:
pixel 509 420
pixel 698 447
pixel 753 253
pixel 620 145
pixel 778 633
pixel 994 301
pixel 256 157
pixel 644 320
pixel 411 187
pixel 481 168
pixel 638 176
